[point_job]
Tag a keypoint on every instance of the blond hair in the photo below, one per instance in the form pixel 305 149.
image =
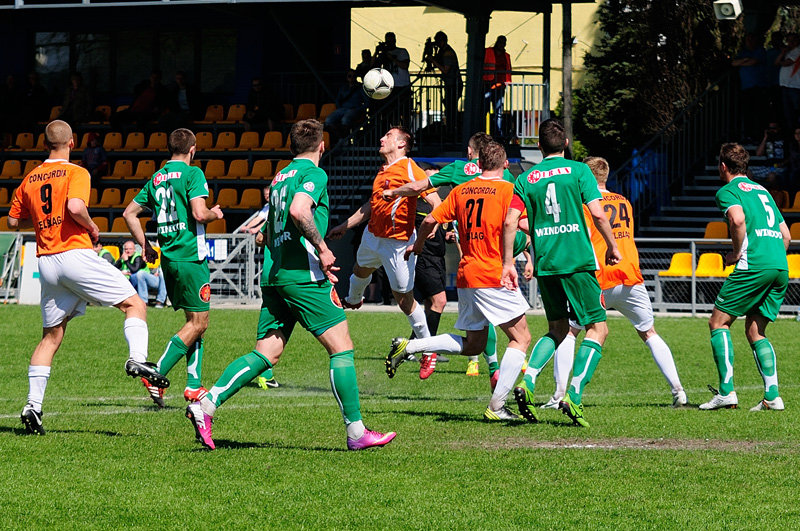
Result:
pixel 599 167
pixel 57 134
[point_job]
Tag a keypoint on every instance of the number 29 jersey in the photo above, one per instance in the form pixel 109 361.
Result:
pixel 554 192
pixel 168 195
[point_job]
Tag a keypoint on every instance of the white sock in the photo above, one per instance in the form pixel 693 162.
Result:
pixel 418 322
pixel 208 407
pixel 355 430
pixel 357 287
pixel 473 358
pixel 449 343
pixel 663 358
pixel 489 359
pixel 137 336
pixel 562 364
pixel 37 383
pixel 510 367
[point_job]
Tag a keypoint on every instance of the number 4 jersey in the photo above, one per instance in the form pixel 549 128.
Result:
pixel 554 192
pixel 168 195
pixel 763 245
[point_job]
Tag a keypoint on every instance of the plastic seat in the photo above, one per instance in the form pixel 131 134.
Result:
pixel 130 193
pixel 156 142
pixel 679 266
pixel 227 198
pixel 210 199
pixel 287 146
pixel 305 111
pixel 103 112
pixel 247 142
pixel 12 169
pixel 225 141
pixel 795 207
pixel 101 222
pixel 23 142
pixel 710 265
pixel 39 146
pixel 84 142
pixel 781 197
pixel 262 170
pixel 133 142
pixel 288 112
pixel 214 113
pixel 55 112
pixel 123 169
pixel 119 225
pixel 30 166
pixel 205 140
pixel 251 199
pixel 121 108
pixel 281 165
pixel 716 230
pixel 215 169
pixel 218 226
pixel 4 197
pixel 273 141
pixel 326 110
pixel 236 113
pixel 93 197
pixel 326 139
pixel 4 224
pixel 794 230
pixel 238 169
pixel 113 249
pixel 794 265
pixel 112 141
pixel 145 169
pixel 111 197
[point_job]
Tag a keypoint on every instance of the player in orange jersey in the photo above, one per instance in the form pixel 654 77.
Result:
pixel 52 199
pixel 623 290
pixel 479 206
pixel 390 230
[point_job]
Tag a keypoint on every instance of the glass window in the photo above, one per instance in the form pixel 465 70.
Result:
pixel 52 60
pixel 217 74
pixel 134 59
pixel 93 60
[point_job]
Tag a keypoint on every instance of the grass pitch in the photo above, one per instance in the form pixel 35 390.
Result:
pixel 110 459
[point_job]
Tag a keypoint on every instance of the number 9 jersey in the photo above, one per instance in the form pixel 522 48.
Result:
pixel 554 192
pixel 168 195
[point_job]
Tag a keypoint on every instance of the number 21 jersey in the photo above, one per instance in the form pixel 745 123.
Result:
pixel 168 195
pixel 554 192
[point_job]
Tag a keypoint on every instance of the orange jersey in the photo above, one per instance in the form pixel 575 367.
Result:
pixel 480 207
pixel 619 213
pixel 394 219
pixel 42 197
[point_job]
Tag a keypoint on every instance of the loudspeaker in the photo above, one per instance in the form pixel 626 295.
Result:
pixel 727 9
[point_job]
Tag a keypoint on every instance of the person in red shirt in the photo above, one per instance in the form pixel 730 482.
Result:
pixel 496 75
pixel 52 199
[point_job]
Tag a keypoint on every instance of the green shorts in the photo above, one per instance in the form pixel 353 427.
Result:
pixel 753 292
pixel 315 305
pixel 575 296
pixel 187 284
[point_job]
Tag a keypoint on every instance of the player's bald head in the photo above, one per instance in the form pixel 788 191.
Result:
pixel 57 134
pixel 599 167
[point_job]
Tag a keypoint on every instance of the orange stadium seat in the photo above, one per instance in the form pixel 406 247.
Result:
pixel 262 170
pixel 247 142
pixel 113 249
pixel 112 141
pixel 305 111
pixel 326 139
pixel 110 198
pixel 273 141
pixel 12 169
pixel 156 142
pixel 4 224
pixel 238 169
pixel 55 112
pixel 121 108
pixel 326 110
pixel 205 140
pixel 133 142
pixel 227 198
pixel 287 146
pixel 288 111
pixel 781 198
pixel 679 266
pixel 282 164
pixel 210 199
pixel 101 222
pixel 795 207
pixel 93 197
pixel 145 169
pixel 123 169
pixel 215 169
pixel 39 146
pixel 84 142
pixel 23 142
pixel 130 193
pixel 218 226
pixel 794 230
pixel 225 141
pixel 716 230
pixel 4 197
pixel 236 113
pixel 30 166
pixel 214 113
pixel 103 112
pixel 119 225
pixel 251 199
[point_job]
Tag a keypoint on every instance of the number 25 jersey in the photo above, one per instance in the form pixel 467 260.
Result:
pixel 168 195
pixel 554 192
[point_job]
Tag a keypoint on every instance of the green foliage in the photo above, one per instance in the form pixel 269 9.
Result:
pixel 110 460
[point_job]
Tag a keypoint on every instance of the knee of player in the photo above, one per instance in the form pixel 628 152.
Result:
pixel 134 303
pixel 647 334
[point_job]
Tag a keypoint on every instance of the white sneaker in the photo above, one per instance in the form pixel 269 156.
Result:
pixel 552 403
pixel 679 398
pixel 719 401
pixel 765 404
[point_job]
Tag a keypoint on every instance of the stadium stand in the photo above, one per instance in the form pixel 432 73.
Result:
pixel 238 169
pixel 215 169
pixel 251 199
pixel 218 226
pixel 235 114
pixel 281 165
pixel 205 141
pixel 249 141
pixel 262 169
pixel 112 141
pixel 227 198
pixel 225 141
pixel 214 113
pixel 145 169
pixel 123 169
pixel 29 167
pixel 716 230
pixel 156 142
pixel 794 230
pixel 273 141
pixel 12 169
pixel 4 197
pixel 111 197
pixel 101 222
pixel 710 265
pixel 22 142
pixel 326 110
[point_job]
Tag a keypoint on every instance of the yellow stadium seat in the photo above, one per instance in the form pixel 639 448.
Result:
pixel 112 141
pixel 794 265
pixel 225 141
pixel 281 165
pixel 4 224
pixel 205 140
pixel 145 169
pixel 247 142
pixel 55 112
pixel 215 169
pixel 236 113
pixel 305 111
pixel 103 112
pixel 218 226
pixel 93 197
pixel 210 199
pixel 39 146
pixel 30 166
pixel 130 193
pixel 227 198
pixel 101 222
pixel 262 170
pixel 123 169
pixel 4 198
pixel 238 169
pixel 121 108
pixel 113 249
pixel 679 266
pixel 133 142
pixel 251 199
pixel 23 142
pixel 214 113
pixel 111 197
pixel 273 141
pixel 84 142
pixel 157 263
pixel 709 265
pixel 794 230
pixel 795 204
pixel 716 230
pixel 156 142
pixel 326 110
pixel 119 225
pixel 12 169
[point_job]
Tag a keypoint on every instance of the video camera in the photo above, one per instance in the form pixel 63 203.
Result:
pixel 428 53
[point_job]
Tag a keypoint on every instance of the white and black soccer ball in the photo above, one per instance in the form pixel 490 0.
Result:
pixel 378 83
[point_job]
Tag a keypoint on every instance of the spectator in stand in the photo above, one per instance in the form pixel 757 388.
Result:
pixel 264 108
pixel 77 107
pixel 496 75
pixel 150 98
pixel 37 101
pixel 183 98
pixel 255 224
pixel 140 275
pixel 772 147
pixel 446 61
pixel 350 106
pixel 396 60
pixel 94 157
pixel 789 61
pixel 365 65
pixel 104 253
pixel 751 62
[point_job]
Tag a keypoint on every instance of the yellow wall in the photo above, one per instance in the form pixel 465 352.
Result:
pixel 413 25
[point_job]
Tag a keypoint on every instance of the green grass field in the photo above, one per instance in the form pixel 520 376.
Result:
pixel 110 459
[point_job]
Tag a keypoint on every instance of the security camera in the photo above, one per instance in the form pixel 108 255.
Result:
pixel 727 9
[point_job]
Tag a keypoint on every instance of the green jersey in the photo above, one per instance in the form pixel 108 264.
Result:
pixel 763 244
pixel 553 192
pixel 288 257
pixel 459 172
pixel 167 194
pixel 520 242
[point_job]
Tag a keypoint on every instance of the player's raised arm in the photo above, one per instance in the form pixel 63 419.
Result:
pixel 359 216
pixel 412 189
pixel 613 256
pixel 509 276
pixel 303 217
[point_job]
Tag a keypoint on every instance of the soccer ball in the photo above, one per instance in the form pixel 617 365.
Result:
pixel 378 83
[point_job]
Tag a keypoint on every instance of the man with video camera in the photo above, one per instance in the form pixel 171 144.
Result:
pixel 440 55
pixel 396 60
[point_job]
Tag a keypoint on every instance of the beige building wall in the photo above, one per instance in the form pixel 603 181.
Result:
pixel 413 25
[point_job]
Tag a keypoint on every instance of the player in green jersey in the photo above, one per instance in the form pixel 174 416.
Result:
pixel 553 193
pixel 296 286
pixel 757 285
pixel 177 197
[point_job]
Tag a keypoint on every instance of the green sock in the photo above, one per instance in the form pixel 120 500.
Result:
pixel 267 374
pixel 586 360
pixel 490 352
pixel 766 363
pixel 194 364
pixel 543 350
pixel 236 375
pixel 722 349
pixel 345 386
pixel 176 350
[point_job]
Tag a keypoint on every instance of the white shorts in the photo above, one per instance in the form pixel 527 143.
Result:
pixel 480 307
pixel 387 252
pixel 631 301
pixel 71 279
